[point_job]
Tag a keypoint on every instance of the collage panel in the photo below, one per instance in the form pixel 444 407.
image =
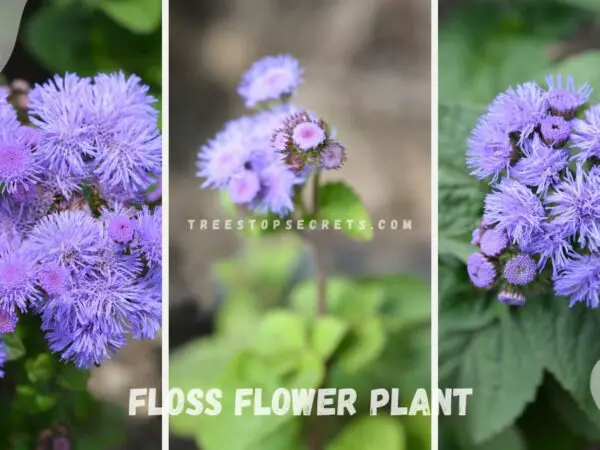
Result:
pixel 518 216
pixel 299 213
pixel 80 223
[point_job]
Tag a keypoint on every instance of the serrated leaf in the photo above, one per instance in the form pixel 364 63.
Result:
pixel 387 432
pixel 139 16
pixel 499 367
pixel 327 334
pixel 340 205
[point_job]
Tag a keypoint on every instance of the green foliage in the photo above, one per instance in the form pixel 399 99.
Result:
pixel 529 369
pixel 98 36
pixel 269 335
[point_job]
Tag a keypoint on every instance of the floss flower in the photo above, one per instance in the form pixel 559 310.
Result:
pixel 77 245
pixel 542 164
pixel 259 159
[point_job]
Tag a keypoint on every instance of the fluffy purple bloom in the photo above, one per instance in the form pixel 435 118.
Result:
pixel 511 297
pixel 520 270
pixel 308 135
pixel 490 150
pixel 565 100
pixel 119 223
pixel 276 192
pixel 493 242
pixel 71 239
pixel 332 156
pixel 519 109
pixel 476 236
pixel 148 237
pixel 586 135
pixel 513 208
pixel 575 206
pixel 19 165
pixel 127 157
pixel 580 280
pixel 244 187
pixel 555 130
pixel 67 142
pixel 481 271
pixel 541 165
pixel 8 322
pixel 145 318
pixel 270 78
pixel 18 277
pixel 551 245
pixel 54 279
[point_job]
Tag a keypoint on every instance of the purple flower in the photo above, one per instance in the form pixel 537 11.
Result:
pixel 511 297
pixel 520 270
pixel 575 206
pixel 476 236
pixel 8 322
pixel 19 165
pixel 18 277
pixel 71 239
pixel 308 135
pixel 580 280
pixel 54 279
pixel 276 191
pixel 481 271
pixel 518 110
pixel 490 150
pixel 67 141
pixel 541 165
pixel 555 130
pixel 513 208
pixel 119 222
pixel 565 100
pixel 270 78
pixel 332 156
pixel 244 187
pixel 493 242
pixel 586 135
pixel 148 236
pixel 551 244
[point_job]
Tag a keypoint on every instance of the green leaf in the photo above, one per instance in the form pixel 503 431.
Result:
pixel 590 5
pixel 347 299
pixel 499 367
pixel 45 402
pixel 281 331
pixel 340 205
pixel 567 342
pixel 15 346
pixel 58 37
pixel 364 345
pixel 387 432
pixel 139 16
pixel 41 368
pixel 327 334
pixel 73 379
pixel 511 438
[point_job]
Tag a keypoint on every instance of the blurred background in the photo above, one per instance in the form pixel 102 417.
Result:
pixel 485 47
pixel 367 70
pixel 87 37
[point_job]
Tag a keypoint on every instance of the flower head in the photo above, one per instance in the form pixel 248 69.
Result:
pixel 18 277
pixel 520 270
pixel 308 135
pixel 490 150
pixel 332 156
pixel 511 297
pixel 580 281
pixel 148 237
pixel 513 208
pixel 8 322
pixel 270 78
pixel 481 271
pixel 565 100
pixel 586 134
pixel 493 242
pixel 555 130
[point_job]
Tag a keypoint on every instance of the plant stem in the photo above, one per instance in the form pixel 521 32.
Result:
pixel 317 433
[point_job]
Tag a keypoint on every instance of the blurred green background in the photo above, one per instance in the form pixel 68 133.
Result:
pixel 87 37
pixel 518 403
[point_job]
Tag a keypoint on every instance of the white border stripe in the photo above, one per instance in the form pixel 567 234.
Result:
pixel 165 224
pixel 434 225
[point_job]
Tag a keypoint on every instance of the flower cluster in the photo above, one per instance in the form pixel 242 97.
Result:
pixel 260 158
pixel 541 220
pixel 78 245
